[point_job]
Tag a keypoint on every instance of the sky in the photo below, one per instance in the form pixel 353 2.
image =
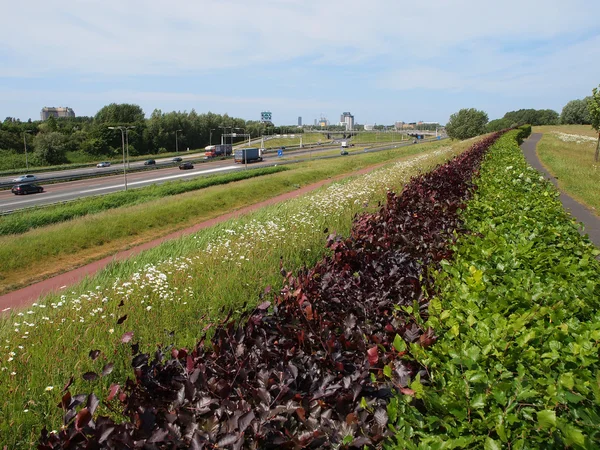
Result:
pixel 382 60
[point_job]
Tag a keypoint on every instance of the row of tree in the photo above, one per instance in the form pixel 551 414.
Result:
pixel 470 122
pixel 48 142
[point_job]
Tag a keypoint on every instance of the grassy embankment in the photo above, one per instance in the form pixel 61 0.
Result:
pixel 307 138
pixel 167 290
pixel 61 247
pixel 567 151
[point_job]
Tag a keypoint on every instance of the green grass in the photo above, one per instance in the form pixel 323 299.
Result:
pixel 375 137
pixel 307 138
pixel 22 221
pixel 170 288
pixel 67 245
pixel 570 158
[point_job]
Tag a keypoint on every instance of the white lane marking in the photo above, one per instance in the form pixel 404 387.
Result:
pixel 170 177
pixel 56 196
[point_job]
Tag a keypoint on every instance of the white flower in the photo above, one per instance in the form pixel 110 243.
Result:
pixel 49 388
pixel 148 308
pixel 111 331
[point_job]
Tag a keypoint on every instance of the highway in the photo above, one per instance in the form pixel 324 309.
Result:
pixel 164 171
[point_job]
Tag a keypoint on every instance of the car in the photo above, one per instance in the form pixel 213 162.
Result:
pixel 186 165
pixel 344 152
pixel 149 162
pixel 25 179
pixel 103 164
pixel 27 188
pixel 177 159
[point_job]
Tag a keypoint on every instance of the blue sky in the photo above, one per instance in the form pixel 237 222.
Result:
pixel 382 60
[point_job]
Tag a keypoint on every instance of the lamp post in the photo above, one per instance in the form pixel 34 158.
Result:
pixel 127 143
pixel 25 144
pixel 176 145
pixel 123 131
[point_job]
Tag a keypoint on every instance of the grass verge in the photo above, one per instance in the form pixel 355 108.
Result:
pixel 516 364
pixel 162 295
pixel 22 221
pixel 567 152
pixel 67 245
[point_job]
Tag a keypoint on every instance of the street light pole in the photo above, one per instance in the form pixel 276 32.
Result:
pixel 127 142
pixel 176 145
pixel 123 141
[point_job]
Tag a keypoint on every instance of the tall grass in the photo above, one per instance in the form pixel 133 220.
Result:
pixel 165 293
pixel 70 244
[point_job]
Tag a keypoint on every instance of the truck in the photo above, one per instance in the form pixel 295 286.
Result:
pixel 247 155
pixel 345 144
pixel 211 151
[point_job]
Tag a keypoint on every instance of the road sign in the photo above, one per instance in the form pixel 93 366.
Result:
pixel 279 152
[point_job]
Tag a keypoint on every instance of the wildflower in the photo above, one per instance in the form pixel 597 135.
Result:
pixel 148 308
pixel 111 331
pixel 49 388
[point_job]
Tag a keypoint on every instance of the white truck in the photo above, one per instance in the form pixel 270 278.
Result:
pixel 345 144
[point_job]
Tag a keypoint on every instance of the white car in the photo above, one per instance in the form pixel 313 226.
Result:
pixel 25 179
pixel 103 164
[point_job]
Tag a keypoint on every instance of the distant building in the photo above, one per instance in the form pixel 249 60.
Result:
pixel 348 120
pixel 299 121
pixel 368 127
pixel 56 112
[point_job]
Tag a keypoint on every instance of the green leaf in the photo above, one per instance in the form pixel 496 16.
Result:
pixel 491 444
pixel 387 371
pixel 399 344
pixel 546 418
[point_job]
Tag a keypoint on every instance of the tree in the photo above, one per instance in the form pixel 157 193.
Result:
pixel 50 149
pixel 594 111
pixel 498 124
pixel 576 113
pixel 120 114
pixel 466 123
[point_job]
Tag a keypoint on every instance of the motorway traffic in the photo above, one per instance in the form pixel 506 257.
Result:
pixel 165 170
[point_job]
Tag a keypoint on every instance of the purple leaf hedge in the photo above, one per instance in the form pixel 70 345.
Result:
pixel 314 365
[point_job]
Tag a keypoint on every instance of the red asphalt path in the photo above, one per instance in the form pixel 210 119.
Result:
pixel 26 296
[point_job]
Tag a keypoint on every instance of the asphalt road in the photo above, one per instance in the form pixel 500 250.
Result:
pixel 71 190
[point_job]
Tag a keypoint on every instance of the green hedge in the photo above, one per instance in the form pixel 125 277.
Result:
pixel 517 313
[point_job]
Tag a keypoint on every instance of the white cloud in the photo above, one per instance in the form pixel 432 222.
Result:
pixel 156 37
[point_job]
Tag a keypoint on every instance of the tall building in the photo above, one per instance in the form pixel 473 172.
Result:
pixel 348 120
pixel 56 112
pixel 299 121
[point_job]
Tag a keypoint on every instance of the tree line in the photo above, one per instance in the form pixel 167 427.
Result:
pixel 470 122
pixel 49 142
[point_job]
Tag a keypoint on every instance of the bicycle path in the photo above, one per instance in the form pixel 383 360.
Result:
pixel 591 222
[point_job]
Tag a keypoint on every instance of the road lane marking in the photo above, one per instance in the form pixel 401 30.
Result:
pixel 170 177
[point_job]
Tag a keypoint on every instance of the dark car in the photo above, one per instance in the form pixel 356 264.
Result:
pixel 186 165
pixel 149 162
pixel 22 189
pixel 177 159
pixel 344 152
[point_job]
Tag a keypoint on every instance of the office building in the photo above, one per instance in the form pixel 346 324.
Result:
pixel 56 112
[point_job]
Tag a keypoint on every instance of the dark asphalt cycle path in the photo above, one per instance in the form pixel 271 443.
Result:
pixel 590 221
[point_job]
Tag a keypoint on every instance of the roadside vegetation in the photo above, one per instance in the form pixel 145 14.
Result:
pixel 64 246
pixel 164 294
pixel 375 137
pixel 567 151
pixel 21 221
pixel 307 138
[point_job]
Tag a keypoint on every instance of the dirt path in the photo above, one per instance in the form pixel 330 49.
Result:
pixel 26 296
pixel 590 221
